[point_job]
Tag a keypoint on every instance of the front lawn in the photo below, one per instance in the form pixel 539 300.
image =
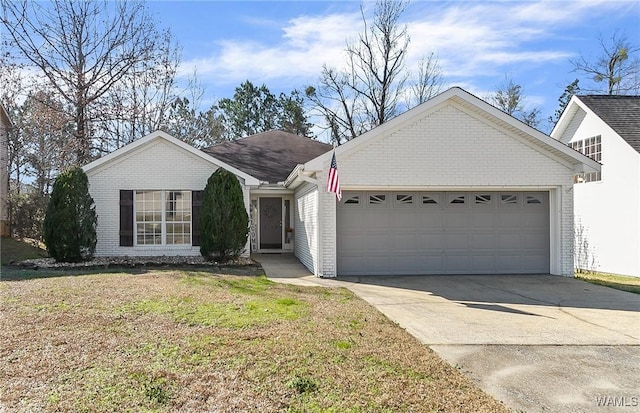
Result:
pixel 189 341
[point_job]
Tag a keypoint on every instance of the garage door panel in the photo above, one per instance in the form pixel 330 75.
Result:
pixel 509 263
pixel 436 233
pixel 482 220
pixel 457 263
pixel 535 241
pixel 404 263
pixel 456 240
pixel 403 220
pixel 483 263
pixel 482 241
pixel 507 241
pixel 430 264
pixel 531 263
pixel 429 240
pixel 510 219
pixel 429 218
pixel 456 219
pixel 405 242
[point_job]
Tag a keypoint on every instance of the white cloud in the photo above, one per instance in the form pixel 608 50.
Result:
pixel 306 44
pixel 471 39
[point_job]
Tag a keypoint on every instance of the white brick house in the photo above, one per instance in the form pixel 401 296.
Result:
pixel 124 184
pixel 451 186
pixel 607 203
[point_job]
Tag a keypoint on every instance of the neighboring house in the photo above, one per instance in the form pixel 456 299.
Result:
pixel 5 125
pixel 607 203
pixel 453 186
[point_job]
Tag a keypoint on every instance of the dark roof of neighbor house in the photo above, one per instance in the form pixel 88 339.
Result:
pixel 268 156
pixel 621 113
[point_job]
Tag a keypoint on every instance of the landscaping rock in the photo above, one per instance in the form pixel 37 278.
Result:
pixel 132 262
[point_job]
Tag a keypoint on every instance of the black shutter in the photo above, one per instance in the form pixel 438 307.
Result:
pixel 196 205
pixel 126 218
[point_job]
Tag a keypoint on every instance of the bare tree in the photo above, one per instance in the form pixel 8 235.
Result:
pixel 368 92
pixel 377 61
pixel 140 102
pixel 338 104
pixel 428 82
pixel 510 98
pixel 82 48
pixel 618 67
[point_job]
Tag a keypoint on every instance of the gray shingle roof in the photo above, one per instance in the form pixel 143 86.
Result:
pixel 621 113
pixel 268 156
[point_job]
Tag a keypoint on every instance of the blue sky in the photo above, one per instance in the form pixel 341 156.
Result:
pixel 478 43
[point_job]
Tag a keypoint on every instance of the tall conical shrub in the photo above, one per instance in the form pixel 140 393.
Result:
pixel 70 223
pixel 224 223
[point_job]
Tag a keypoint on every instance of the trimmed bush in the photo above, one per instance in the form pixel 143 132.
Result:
pixel 224 223
pixel 69 229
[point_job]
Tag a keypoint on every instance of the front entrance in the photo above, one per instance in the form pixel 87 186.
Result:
pixel 270 223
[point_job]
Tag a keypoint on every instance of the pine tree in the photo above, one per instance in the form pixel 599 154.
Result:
pixel 70 223
pixel 224 223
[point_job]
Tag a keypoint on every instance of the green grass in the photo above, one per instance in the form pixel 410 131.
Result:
pixel 619 282
pixel 191 341
pixel 12 250
pixel 189 311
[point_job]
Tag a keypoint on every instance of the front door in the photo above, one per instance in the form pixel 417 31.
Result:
pixel 270 223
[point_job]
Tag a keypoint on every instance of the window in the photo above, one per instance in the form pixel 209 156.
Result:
pixel 457 199
pixel 591 147
pixel 430 199
pixel 352 200
pixel 483 199
pixel 377 199
pixel 404 199
pixel 533 199
pixel 508 199
pixel 163 217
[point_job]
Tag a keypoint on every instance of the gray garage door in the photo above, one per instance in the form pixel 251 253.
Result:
pixel 443 233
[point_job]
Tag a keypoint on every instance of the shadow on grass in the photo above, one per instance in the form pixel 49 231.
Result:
pixel 18 273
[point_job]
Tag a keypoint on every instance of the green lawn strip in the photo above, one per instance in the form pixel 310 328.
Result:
pixel 619 282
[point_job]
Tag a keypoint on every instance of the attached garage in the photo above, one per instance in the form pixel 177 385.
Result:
pixel 386 232
pixel 452 186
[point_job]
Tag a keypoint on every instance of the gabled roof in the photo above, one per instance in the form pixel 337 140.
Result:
pixel 269 156
pixel 621 113
pixel 159 135
pixel 471 103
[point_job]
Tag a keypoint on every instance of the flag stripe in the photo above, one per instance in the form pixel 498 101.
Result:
pixel 333 180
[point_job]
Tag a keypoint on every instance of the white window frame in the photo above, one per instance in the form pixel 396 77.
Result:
pixel 163 219
pixel 591 147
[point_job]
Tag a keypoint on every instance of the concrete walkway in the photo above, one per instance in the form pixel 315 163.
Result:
pixel 538 343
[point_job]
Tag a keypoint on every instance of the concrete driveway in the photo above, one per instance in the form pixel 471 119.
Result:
pixel 539 343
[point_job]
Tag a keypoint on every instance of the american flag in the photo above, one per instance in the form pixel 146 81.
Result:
pixel 333 181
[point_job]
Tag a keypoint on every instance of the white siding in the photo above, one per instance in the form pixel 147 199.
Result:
pixel 158 165
pixel 609 210
pixel 306 226
pixel 451 149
